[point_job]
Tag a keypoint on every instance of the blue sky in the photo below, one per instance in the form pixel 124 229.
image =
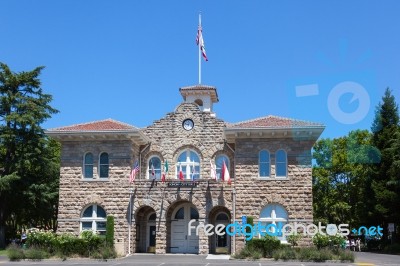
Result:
pixel 323 61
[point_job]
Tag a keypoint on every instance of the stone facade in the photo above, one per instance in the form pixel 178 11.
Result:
pixel 152 222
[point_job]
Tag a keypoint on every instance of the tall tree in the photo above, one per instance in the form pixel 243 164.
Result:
pixel 385 128
pixel 23 108
pixel 339 178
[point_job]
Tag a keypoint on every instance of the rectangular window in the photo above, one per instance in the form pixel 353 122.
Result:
pixel 86 226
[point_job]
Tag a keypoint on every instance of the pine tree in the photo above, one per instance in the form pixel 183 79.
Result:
pixel 384 128
pixel 23 108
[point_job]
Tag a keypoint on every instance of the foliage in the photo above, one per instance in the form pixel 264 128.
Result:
pixel 15 253
pixel 293 239
pixel 65 245
pixel 248 252
pixel 110 231
pixel 265 245
pixel 35 254
pixel 29 161
pixel 105 253
pixel 385 181
pixel 340 177
pixel 324 241
pixel 312 254
pixel 284 254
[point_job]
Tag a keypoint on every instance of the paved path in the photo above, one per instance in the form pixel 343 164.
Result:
pixel 362 259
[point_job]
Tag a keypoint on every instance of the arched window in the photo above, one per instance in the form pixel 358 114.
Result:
pixel 281 163
pixel 219 162
pixel 194 214
pixel 152 217
pixel 104 165
pixel 180 214
pixel 274 216
pixel 88 165
pixel 154 168
pixel 222 217
pixel 94 218
pixel 264 163
pixel 189 164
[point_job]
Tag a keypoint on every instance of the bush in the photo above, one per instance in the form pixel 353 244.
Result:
pixel 36 254
pixel 15 253
pixel 43 240
pixel 105 253
pixel 265 245
pixel 346 255
pixel 285 254
pixel 323 241
pixel 294 239
pixel 110 231
pixel 247 252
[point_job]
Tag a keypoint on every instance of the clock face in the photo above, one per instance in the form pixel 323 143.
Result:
pixel 188 124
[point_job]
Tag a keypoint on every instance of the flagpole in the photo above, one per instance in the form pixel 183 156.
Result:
pixel 199 48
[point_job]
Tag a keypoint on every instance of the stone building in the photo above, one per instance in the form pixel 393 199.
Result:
pixel 268 160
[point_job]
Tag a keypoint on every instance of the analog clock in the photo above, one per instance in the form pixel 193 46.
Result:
pixel 188 124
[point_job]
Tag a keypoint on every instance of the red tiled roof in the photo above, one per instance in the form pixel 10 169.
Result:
pixel 101 125
pixel 273 122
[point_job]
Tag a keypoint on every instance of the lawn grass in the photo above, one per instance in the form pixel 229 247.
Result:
pixel 3 252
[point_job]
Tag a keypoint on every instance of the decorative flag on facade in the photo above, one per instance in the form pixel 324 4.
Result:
pixel 225 176
pixel 134 171
pixel 213 171
pixel 200 41
pixel 165 171
pixel 181 173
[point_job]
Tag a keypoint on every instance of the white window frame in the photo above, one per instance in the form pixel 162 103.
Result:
pixel 187 173
pixel 94 219
pixel 218 170
pixel 273 219
pixel 148 176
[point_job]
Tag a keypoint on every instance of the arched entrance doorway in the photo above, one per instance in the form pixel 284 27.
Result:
pixel 145 229
pixel 181 241
pixel 219 244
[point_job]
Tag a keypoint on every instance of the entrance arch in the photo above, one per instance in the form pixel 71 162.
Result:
pixel 145 229
pixel 180 240
pixel 219 244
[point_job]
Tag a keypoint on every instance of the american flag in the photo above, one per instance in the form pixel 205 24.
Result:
pixel 134 171
pixel 200 41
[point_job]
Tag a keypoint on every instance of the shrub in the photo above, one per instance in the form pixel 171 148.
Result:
pixel 93 241
pixel 346 255
pixel 294 239
pixel 15 253
pixel 110 231
pixel 43 240
pixel 36 254
pixel 284 254
pixel 105 253
pixel 248 252
pixel 264 245
pixel 322 241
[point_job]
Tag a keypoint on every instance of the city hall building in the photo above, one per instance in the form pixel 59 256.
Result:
pixel 268 159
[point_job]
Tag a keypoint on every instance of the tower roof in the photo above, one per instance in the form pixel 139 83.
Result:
pixel 200 90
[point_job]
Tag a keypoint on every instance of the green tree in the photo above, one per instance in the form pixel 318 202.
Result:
pixel 339 178
pixel 23 144
pixel 384 175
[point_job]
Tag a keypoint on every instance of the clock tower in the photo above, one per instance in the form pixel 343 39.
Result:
pixel 202 95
